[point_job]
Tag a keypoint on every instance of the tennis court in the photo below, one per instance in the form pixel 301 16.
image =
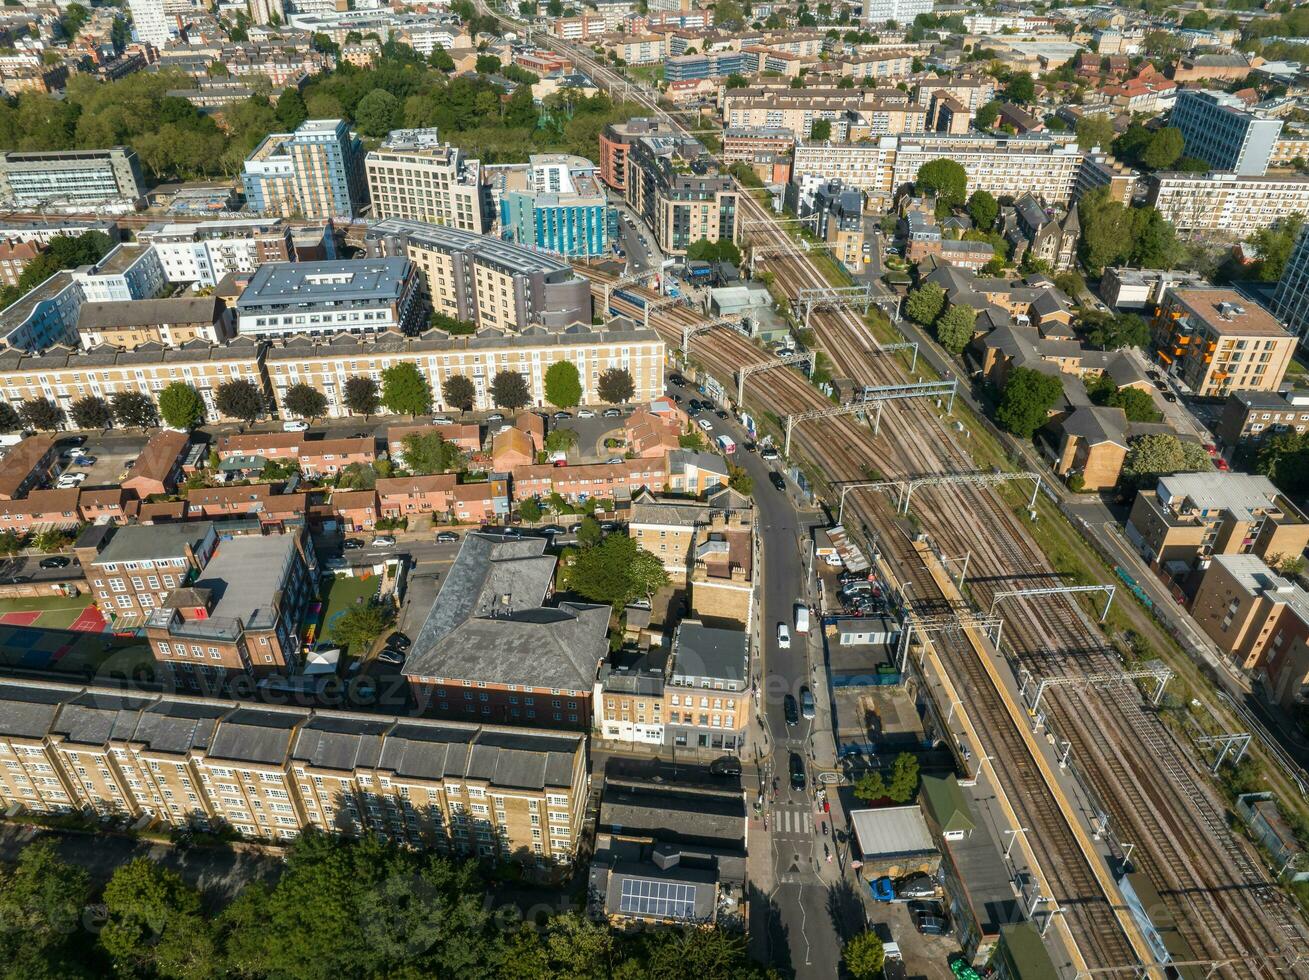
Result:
pixel 54 612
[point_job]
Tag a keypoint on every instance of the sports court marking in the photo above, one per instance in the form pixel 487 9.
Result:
pixel 21 618
pixel 88 620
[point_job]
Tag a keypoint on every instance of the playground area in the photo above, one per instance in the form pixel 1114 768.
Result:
pixel 340 592
pixel 54 612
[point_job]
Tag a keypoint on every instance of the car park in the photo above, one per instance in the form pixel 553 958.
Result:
pixel 56 561
pixel 783 636
pixel 776 480
pixel 350 544
pixel 446 537
pixel 295 425
pixel 728 765
pixel 797 771
pixel 384 541
pixel 790 710
pixel 614 413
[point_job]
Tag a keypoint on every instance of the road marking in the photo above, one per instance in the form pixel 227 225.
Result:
pixel 793 821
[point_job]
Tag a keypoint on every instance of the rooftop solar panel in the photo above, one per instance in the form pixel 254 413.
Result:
pixel 666 899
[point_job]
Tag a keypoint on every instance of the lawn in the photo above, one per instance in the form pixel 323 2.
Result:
pixel 341 592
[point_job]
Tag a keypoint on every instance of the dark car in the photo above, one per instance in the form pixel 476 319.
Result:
pixel 550 530
pixel 350 544
pixel 398 640
pixel 1170 398
pixel 56 561
pixel 562 415
pixel 394 657
pixel 677 399
pixel 930 907
pixel 721 414
pixel 728 765
pixel 676 380
pixel 613 413
pixel 608 526
pixel 791 710
pixel 693 405
pixel 446 537
pixel 797 771
pixel 776 480
pixel 915 886
pixel 749 446
pixel 574 528
pixel 930 925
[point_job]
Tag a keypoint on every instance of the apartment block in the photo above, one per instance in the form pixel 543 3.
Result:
pixel 675 186
pixel 240 615
pixel 1125 288
pixel 740 145
pixel 45 316
pixel 883 67
pixel 172 322
pixel 880 13
pixel 203 253
pixel 491 648
pixel 670 527
pixel 484 280
pixel 132 571
pixel 128 271
pixel 557 204
pixel 1252 416
pixel 14 258
pixel 34 178
pixel 414 175
pixel 711 64
pixel 1291 300
pixel 327 365
pixel 1226 204
pixel 1190 517
pixel 616 143
pixel 324 299
pixel 64 376
pixel 1224 132
pixel 271 772
pixel 315 172
pixel 1218 342
pixel 708 688
pixel 1261 620
pixel 26 465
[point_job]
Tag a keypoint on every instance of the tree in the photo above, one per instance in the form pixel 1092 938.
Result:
pixel 361 624
pixel 616 386
pixel 134 408
pixel 740 480
pixel 589 534
pixel 41 413
pixel 426 453
pixel 1164 149
pixel 43 900
pixel 362 396
pixel 1095 131
pixel 405 391
pixel 820 129
pixel 1150 457
pixel 983 209
pixel 864 956
pixel 737 81
pixel 616 571
pixel 155 923
pixel 378 113
pixel 291 109
pixel 509 390
pixel 1020 89
pixel 1027 400
pixel 440 59
pixel 1114 332
pixel 1136 404
pixel 356 476
pixel 944 178
pixel 924 304
pixel 9 419
pixel 240 399
pixel 563 385
pixel 1273 246
pixel 530 510
pixel 904 778
pixel 181 406
pixel 91 412
pixel 305 401
pixel 451 324
pixel 954 328
pixel 459 392
pixel 487 64
pixel 987 114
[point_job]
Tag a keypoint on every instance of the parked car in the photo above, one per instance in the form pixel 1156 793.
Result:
pixel 84 460
pixel 614 459
pixel 384 541
pixel 797 771
pixel 882 889
pixel 495 417
pixel 1170 398
pixel 915 886
pixel 721 414
pixel 398 640
pixel 783 636
pixel 693 405
pixel 928 907
pixel 69 480
pixel 705 424
pixel 446 537
pixel 728 765
pixel 768 452
pixel 550 530
pixel 614 413
pixel 560 416
pixel 350 544
pixel 442 420
pixel 776 480
pixel 790 710
pixel 295 425
pixel 677 380
pixel 56 561
pixel 806 703
pixel 931 925
pixel 586 413
pixel 394 657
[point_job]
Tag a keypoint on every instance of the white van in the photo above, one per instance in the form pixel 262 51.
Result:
pixel 783 636
pixel 801 618
pixel 726 445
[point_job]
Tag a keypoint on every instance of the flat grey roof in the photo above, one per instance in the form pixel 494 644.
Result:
pixel 148 312
pixel 246 573
pixel 142 542
pixel 344 281
pixel 513 258
pixel 702 651
pixel 892 831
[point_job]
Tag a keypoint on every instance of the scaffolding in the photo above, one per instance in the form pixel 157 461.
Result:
pixel 981 479
pixel 689 330
pixel 871 395
pixel 1057 590
pixel 806 357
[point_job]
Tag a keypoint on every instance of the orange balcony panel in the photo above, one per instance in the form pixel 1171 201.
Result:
pixel 1164 357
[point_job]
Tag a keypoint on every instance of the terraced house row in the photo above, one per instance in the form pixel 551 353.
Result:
pixel 63 375
pixel 271 772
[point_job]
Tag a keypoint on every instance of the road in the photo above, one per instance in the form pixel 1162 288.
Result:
pixel 795 929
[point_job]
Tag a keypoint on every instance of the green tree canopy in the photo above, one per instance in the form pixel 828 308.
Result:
pixel 426 453
pixel 291 109
pixel 944 178
pixel 1027 400
pixel 987 114
pixel 360 625
pixel 509 390
pixel 91 412
pixel 154 923
pixel 954 328
pixel 820 129
pixel 924 304
pixel 181 406
pixel 9 419
pixel 563 385
pixel 1164 149
pixel 1274 245
pixel 1020 89
pixel 305 401
pixel 983 209
pixel 451 324
pixel 362 396
pixel 1150 457
pixel 616 571
pixel 240 399
pixel 459 392
pixel 1095 130
pixel 404 389
pixel 1116 331
pixel 134 408
pixel 378 113
pixel 41 413
pixel 616 386
pixel 864 956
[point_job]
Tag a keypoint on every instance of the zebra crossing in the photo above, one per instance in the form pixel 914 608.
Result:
pixel 793 821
